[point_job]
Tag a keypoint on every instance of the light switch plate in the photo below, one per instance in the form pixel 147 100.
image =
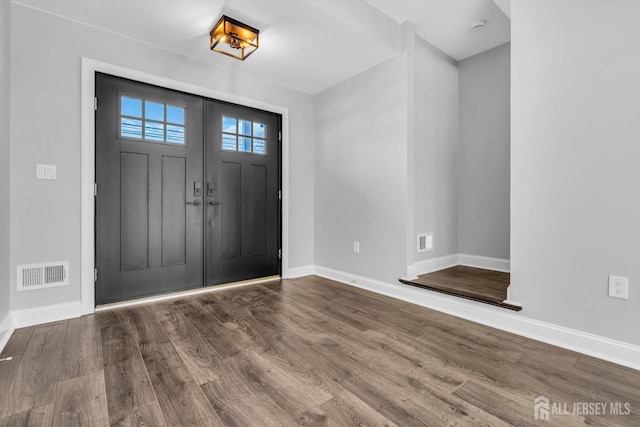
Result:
pixel 45 172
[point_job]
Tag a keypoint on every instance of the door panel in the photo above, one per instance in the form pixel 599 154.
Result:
pixel 243 207
pixel 174 227
pixel 134 211
pixel 231 221
pixel 148 239
pixel 257 224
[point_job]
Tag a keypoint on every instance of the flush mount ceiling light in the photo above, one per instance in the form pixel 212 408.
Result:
pixel 234 38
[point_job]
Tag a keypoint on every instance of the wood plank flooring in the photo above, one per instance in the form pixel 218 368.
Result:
pixel 297 352
pixel 476 284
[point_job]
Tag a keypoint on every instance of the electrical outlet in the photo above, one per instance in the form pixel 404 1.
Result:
pixel 356 247
pixel 619 287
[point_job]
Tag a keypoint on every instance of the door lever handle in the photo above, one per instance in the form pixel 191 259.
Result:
pixel 195 203
pixel 214 203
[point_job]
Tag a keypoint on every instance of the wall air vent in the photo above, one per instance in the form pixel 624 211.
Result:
pixel 40 276
pixel 425 242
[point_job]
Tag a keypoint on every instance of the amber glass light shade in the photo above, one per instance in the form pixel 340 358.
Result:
pixel 234 38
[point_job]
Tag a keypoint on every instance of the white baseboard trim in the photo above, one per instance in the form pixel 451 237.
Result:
pixel 430 265
pixel 436 264
pixel 6 330
pixel 496 264
pixel 593 345
pixel 295 272
pixel 46 314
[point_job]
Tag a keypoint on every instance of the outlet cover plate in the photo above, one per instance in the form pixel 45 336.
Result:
pixel 619 287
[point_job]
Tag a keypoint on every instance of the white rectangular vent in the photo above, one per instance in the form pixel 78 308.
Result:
pixel 40 276
pixel 425 242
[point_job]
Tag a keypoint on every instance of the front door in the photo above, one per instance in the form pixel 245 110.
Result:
pixel 149 212
pixel 242 199
pixel 187 191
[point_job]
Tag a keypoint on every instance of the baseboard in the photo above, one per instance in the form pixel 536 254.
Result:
pixel 497 264
pixel 46 314
pixel 295 272
pixel 593 345
pixel 6 329
pixel 436 264
pixel 430 265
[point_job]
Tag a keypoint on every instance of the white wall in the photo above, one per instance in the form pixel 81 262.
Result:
pixel 360 173
pixel 45 215
pixel 5 36
pixel 483 154
pixel 436 141
pixel 386 164
pixel 574 160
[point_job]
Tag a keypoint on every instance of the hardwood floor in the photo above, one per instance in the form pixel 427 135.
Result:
pixel 299 352
pixel 476 284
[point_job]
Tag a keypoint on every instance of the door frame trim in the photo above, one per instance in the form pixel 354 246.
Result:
pixel 87 245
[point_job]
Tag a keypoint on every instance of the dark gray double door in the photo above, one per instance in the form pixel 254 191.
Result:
pixel 187 191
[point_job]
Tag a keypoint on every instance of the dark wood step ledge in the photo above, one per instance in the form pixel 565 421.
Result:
pixel 465 295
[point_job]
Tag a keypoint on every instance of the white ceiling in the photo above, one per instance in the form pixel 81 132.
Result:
pixel 308 45
pixel 446 23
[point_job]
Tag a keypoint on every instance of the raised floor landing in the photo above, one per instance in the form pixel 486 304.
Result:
pixel 486 286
